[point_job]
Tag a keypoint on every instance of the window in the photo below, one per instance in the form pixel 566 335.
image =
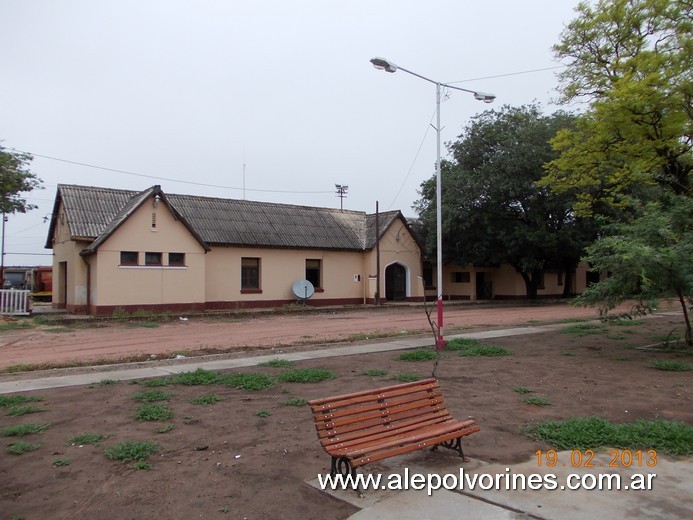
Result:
pixel 250 273
pixel 152 258
pixel 461 277
pixel 176 259
pixel 313 268
pixel 129 258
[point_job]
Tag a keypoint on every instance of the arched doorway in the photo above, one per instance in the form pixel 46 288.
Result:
pixel 395 283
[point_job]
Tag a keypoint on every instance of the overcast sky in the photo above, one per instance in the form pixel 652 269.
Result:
pixel 190 91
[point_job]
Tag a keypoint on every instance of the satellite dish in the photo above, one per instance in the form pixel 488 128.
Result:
pixel 303 289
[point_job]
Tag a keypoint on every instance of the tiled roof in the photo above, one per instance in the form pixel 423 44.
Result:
pixel 95 213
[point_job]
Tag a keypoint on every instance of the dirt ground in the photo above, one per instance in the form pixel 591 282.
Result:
pixel 101 341
pixel 224 461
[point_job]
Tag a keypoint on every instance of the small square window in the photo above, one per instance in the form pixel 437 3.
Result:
pixel 152 258
pixel 461 277
pixel 129 257
pixel 176 259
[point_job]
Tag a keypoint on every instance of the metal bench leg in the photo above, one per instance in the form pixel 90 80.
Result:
pixel 453 444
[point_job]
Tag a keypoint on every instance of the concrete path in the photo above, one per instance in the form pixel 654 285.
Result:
pixel 126 373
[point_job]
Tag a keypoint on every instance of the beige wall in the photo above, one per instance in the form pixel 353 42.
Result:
pixel 506 282
pixel 279 270
pixel 68 293
pixel 396 246
pixel 117 285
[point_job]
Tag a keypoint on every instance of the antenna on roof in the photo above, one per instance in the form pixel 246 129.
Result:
pixel 341 193
pixel 244 175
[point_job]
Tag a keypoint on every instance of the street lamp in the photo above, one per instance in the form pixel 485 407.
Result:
pixel 388 66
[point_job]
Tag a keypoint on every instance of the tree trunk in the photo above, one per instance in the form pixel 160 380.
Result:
pixel 686 317
pixel 531 283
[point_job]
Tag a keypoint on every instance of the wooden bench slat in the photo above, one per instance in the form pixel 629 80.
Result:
pixel 377 405
pixel 410 437
pixel 385 413
pixel 345 441
pixel 376 422
pixel 331 437
pixel 317 402
pixel 356 462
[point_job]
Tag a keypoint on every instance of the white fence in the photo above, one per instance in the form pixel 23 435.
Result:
pixel 14 302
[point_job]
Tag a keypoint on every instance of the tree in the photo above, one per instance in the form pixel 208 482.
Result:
pixel 647 258
pixel 632 61
pixel 15 178
pixel 628 158
pixel 493 210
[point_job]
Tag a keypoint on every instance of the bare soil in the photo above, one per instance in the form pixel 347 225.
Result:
pixel 224 461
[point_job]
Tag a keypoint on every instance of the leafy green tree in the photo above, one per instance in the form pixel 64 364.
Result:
pixel 628 159
pixel 647 258
pixel 632 61
pixel 493 210
pixel 15 179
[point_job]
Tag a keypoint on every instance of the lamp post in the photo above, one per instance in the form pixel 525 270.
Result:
pixel 388 66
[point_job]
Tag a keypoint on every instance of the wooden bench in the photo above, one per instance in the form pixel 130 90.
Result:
pixel 364 427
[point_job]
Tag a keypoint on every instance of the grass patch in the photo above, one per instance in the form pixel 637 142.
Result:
pixel 485 351
pixel 584 329
pixel 263 413
pixel 406 378
pixel 61 462
pixel 206 399
pixel 106 382
pixel 672 365
pixel 295 401
pixel 277 363
pixel 537 401
pixel 150 396
pixel 461 344
pixel 143 465
pixel 306 375
pixel 374 372
pixel 21 367
pixel 244 381
pixel 522 390
pixel 473 347
pixel 15 400
pixel 20 430
pixel 87 438
pixel 581 433
pixel 567 353
pixel 198 377
pixel 153 412
pixel 16 411
pixel 165 428
pixel 420 354
pixel 21 447
pixel 15 325
pixel 131 451
pixel 575 320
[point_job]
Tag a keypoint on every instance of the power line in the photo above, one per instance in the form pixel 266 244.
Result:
pixel 115 170
pixel 508 74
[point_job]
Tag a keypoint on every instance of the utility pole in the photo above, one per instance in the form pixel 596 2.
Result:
pixel 341 193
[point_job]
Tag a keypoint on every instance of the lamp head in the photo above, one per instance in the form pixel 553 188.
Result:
pixel 383 64
pixel 483 96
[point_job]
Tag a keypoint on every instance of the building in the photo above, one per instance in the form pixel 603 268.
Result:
pixel 121 249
